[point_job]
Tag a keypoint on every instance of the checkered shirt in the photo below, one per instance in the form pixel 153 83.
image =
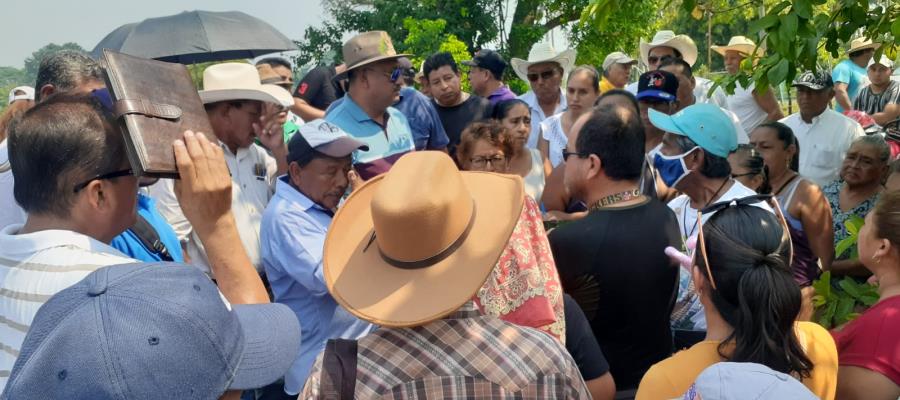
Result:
pixel 463 356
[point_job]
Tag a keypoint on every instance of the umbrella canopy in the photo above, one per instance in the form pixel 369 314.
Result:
pixel 195 37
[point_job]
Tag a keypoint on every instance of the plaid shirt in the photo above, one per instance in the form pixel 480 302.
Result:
pixel 463 356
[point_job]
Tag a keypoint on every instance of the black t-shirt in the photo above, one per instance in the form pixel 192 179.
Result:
pixel 318 87
pixel 455 119
pixel 612 262
pixel 581 343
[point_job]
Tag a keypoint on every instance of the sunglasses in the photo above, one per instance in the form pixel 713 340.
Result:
pixel 749 200
pixel 655 59
pixel 543 75
pixel 107 176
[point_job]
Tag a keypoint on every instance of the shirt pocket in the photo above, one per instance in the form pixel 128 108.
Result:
pixel 826 158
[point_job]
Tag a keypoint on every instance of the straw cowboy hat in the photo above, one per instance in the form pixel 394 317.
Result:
pixel 414 244
pixel 239 81
pixel 268 76
pixel 739 44
pixel 367 48
pixel 861 44
pixel 683 43
pixel 542 52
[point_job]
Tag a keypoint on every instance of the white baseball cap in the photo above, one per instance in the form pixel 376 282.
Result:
pixel 884 60
pixel 617 57
pixel 323 137
pixel 28 93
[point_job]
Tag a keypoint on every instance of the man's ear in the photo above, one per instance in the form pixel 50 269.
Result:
pixel 47 90
pixel 595 167
pixel 294 173
pixel 694 160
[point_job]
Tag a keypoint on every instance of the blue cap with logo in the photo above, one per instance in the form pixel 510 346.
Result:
pixel 151 331
pixel 705 124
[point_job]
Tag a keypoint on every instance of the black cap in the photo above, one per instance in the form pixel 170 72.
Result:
pixel 657 85
pixel 489 60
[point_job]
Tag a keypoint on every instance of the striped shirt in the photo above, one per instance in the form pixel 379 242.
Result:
pixel 464 356
pixel 872 103
pixel 34 267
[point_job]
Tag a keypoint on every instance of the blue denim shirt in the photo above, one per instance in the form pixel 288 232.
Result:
pixel 292 239
pixel 127 242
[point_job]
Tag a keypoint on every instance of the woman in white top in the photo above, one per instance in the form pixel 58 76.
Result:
pixel 515 116
pixel 751 107
pixel 582 90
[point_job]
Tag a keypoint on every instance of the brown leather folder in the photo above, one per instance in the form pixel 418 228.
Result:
pixel 155 102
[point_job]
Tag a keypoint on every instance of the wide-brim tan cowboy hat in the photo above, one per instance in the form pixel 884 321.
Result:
pixel 238 81
pixel 683 43
pixel 739 44
pixel 414 244
pixel 861 44
pixel 540 53
pixel 367 48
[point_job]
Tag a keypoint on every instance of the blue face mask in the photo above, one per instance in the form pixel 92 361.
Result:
pixel 671 168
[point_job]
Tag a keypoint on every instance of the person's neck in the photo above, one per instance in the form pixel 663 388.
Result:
pixel 37 223
pixel 778 178
pixel 652 140
pixel 373 111
pixel 491 87
pixel 889 283
pixel 866 189
pixel 607 187
pixel 716 328
pixel 463 96
pixel 809 118
pixel 878 89
pixel 549 101
pixel 707 190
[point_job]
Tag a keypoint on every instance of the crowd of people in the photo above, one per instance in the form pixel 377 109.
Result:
pixel 373 231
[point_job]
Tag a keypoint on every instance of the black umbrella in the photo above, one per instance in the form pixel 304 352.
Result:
pixel 195 37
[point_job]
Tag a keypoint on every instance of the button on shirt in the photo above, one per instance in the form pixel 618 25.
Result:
pixel 387 143
pixel 537 114
pixel 293 239
pixel 34 267
pixel 823 143
pixel 252 176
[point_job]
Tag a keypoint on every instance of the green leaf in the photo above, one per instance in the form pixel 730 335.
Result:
pixel 763 23
pixel 895 28
pixel 844 245
pixel 850 287
pixel 788 28
pixel 779 8
pixel 868 300
pixel 843 310
pixel 854 223
pixel 777 73
pixel 688 5
pixel 817 300
pixel 803 9
pixel 823 285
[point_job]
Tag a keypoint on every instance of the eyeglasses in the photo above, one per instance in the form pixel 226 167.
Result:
pixel 394 75
pixel 481 162
pixel 543 75
pixel 107 176
pixel 749 200
pixel 566 154
pixel 655 59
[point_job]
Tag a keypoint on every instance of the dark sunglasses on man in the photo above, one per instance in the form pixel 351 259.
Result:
pixel 545 75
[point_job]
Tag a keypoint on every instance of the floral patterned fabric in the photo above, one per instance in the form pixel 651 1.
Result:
pixel 524 287
pixel 833 193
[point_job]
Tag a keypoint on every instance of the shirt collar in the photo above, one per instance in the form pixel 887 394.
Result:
pixel 531 99
pixel 355 110
pixel 284 189
pixel 503 89
pixel 13 243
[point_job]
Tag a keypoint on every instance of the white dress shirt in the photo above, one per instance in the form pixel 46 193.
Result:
pixel 537 114
pixel 252 182
pixel 823 143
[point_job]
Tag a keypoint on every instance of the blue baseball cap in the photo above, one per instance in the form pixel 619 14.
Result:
pixel 706 124
pixel 151 331
pixel 747 381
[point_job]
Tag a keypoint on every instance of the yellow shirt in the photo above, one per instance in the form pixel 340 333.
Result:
pixel 671 378
pixel 605 85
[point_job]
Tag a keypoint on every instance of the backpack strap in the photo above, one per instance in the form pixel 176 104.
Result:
pixel 149 238
pixel 339 363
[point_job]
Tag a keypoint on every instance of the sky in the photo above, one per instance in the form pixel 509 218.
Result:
pixel 31 24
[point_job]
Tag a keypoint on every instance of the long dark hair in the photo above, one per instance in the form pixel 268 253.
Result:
pixel 748 256
pixel 756 165
pixel 786 136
